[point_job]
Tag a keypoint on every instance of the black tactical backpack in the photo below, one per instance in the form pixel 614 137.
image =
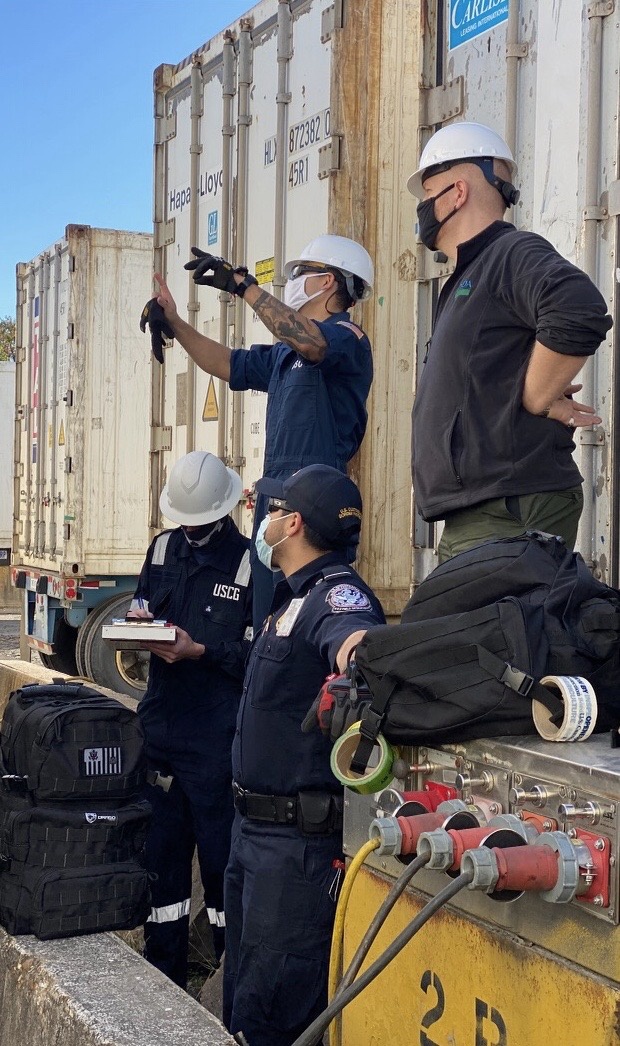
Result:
pixel 479 633
pixel 72 821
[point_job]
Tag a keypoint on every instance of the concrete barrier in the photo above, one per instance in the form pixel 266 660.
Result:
pixel 92 990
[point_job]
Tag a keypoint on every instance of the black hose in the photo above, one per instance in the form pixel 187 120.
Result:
pixel 315 1030
pixel 366 942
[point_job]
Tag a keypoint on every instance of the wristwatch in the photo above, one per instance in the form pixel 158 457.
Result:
pixel 247 281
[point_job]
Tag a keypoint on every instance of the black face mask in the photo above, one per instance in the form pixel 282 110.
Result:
pixel 428 223
pixel 199 536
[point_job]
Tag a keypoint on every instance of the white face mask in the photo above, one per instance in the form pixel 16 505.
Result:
pixel 295 292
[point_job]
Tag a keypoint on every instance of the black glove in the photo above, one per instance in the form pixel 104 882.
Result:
pixel 222 274
pixel 153 314
pixel 341 701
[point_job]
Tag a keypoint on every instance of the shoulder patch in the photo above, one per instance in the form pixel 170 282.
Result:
pixel 347 597
pixel 358 332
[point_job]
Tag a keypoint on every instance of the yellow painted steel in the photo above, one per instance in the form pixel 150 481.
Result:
pixel 460 982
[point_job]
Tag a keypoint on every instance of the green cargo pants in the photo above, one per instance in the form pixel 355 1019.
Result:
pixel 557 512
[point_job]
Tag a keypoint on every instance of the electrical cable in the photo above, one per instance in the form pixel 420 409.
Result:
pixel 382 913
pixel 335 957
pixel 314 1031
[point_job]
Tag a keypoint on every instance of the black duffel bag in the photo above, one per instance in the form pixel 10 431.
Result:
pixel 477 636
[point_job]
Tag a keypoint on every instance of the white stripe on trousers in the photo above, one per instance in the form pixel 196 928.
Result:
pixel 169 913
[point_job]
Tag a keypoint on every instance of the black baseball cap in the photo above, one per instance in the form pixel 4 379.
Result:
pixel 327 501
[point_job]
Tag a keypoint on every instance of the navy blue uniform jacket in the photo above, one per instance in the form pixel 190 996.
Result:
pixel 207 592
pixel 316 412
pixel 314 611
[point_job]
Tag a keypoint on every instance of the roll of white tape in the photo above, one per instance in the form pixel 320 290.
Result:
pixel 378 773
pixel 580 709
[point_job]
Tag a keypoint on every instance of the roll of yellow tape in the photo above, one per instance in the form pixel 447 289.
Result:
pixel 378 773
pixel 580 709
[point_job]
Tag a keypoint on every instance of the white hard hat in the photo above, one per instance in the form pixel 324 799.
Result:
pixel 460 141
pixel 201 489
pixel 340 253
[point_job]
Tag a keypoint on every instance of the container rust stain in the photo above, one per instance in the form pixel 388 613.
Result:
pixel 459 982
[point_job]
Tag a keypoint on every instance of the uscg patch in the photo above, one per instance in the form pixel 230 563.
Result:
pixel 347 597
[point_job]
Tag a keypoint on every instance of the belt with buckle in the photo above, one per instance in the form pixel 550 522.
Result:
pixel 314 813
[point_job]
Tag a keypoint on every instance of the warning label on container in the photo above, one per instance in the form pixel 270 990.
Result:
pixel 265 270
pixel 209 411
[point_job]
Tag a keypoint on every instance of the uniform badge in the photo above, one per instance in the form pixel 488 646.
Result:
pixel 284 624
pixel 347 597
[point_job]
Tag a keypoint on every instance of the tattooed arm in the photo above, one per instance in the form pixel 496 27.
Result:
pixel 287 325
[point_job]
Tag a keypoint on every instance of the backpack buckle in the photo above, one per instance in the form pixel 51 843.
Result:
pixel 14 783
pixel 517 680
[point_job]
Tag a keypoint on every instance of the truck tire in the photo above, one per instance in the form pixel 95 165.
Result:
pixel 65 638
pixel 125 671
pixel 80 646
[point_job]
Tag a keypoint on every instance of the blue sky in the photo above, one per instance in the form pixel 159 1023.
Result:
pixel 78 113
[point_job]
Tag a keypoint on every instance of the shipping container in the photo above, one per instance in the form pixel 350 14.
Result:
pixel 245 146
pixel 81 445
pixel 7 402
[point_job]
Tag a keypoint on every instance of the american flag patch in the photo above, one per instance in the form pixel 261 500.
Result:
pixel 352 327
pixel 99 761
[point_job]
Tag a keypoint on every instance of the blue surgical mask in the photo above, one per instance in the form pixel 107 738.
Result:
pixel 264 551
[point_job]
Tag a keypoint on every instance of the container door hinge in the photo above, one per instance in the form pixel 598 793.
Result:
pixel 164 233
pixel 595 214
pixel 591 437
pixel 68 462
pixel 438 104
pixel 330 157
pixel 20 355
pixel 161 438
pixel 601 8
pixel 167 128
pixel 517 50
pixel 332 18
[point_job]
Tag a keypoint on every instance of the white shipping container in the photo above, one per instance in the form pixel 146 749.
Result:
pixel 243 148
pixel 7 410
pixel 83 392
pixel 82 400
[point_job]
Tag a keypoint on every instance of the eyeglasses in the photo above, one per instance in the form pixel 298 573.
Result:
pixel 279 506
pixel 306 270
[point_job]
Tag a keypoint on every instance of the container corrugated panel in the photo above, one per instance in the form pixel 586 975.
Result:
pixel 252 194
pixel 83 398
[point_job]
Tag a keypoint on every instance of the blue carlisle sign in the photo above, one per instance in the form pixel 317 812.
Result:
pixel 471 18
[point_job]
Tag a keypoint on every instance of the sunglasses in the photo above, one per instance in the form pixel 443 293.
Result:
pixel 306 270
pixel 279 506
